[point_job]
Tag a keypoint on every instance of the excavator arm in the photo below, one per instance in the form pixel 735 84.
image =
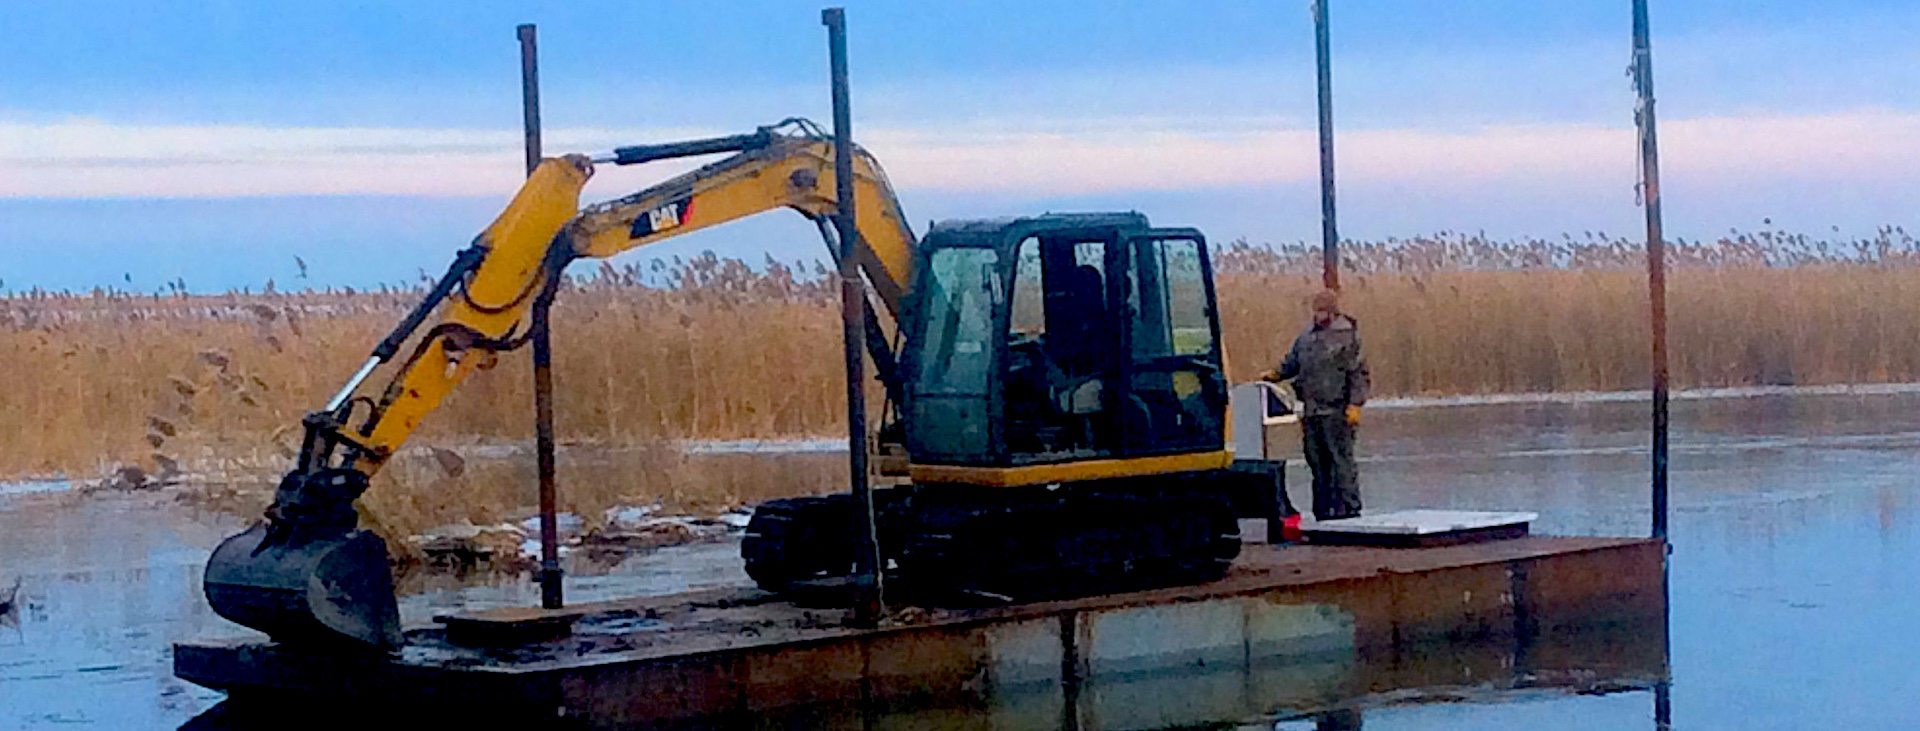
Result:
pixel 307 573
pixel 789 165
pixel 492 290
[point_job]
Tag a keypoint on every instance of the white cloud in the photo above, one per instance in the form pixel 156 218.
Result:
pixel 92 158
pixel 95 159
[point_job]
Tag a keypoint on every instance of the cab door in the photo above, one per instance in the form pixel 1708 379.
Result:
pixel 1064 348
pixel 1173 392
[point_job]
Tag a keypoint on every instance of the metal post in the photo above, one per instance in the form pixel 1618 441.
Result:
pixel 1663 705
pixel 1329 230
pixel 550 574
pixel 1657 299
pixel 530 92
pixel 867 605
pixel 1656 256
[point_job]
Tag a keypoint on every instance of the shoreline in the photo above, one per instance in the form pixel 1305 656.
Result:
pixel 773 446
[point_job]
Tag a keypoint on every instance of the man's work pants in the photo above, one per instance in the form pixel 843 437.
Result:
pixel 1336 479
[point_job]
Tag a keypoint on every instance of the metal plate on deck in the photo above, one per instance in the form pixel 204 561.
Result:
pixel 509 625
pixel 1420 527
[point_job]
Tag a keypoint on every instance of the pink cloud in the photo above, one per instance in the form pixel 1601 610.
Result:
pixel 83 159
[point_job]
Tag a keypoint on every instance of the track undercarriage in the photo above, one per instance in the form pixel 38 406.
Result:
pixel 948 544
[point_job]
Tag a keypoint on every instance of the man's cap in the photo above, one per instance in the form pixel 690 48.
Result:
pixel 1326 300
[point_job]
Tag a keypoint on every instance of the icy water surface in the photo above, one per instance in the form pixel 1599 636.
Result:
pixel 1795 573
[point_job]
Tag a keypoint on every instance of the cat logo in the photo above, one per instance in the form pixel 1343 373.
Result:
pixel 664 218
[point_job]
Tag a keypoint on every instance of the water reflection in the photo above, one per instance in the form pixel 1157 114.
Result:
pixel 1330 691
pixel 105 590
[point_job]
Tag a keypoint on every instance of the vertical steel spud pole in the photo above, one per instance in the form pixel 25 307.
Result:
pixel 1656 255
pixel 550 596
pixel 1329 228
pixel 868 605
pixel 530 92
pixel 1657 314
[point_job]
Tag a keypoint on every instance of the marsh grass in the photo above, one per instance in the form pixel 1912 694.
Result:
pixel 416 491
pixel 189 384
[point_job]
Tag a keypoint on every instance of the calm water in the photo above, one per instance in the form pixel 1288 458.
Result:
pixel 1794 588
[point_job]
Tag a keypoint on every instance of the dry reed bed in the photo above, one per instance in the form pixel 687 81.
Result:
pixel 106 379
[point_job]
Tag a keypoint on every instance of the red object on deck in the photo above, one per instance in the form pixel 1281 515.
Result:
pixel 1290 529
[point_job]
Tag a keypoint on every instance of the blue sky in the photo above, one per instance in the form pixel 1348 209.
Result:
pixel 213 141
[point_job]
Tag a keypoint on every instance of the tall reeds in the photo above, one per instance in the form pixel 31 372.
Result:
pixel 722 350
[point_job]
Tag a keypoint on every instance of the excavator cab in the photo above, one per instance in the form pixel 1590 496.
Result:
pixel 1064 413
pixel 1062 339
pixel 1064 409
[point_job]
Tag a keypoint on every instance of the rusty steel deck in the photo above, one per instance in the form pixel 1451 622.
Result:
pixel 1291 624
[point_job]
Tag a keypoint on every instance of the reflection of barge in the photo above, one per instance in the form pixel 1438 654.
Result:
pixel 1293 627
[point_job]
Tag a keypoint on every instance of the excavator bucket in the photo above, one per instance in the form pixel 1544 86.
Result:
pixel 307 590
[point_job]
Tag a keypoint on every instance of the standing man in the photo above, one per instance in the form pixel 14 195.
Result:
pixel 1330 376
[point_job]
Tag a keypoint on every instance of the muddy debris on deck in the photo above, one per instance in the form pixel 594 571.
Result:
pixel 621 532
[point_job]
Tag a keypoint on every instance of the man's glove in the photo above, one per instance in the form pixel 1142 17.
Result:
pixel 1270 376
pixel 1353 416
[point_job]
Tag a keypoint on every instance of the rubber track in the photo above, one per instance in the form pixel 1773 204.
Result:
pixel 1089 546
pixel 1028 551
pixel 798 539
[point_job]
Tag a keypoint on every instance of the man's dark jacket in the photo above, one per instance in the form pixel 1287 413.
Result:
pixel 1328 370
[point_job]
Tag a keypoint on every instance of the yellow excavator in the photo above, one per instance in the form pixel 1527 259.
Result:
pixel 1055 384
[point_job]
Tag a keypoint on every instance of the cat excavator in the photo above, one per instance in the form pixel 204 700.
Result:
pixel 1056 396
